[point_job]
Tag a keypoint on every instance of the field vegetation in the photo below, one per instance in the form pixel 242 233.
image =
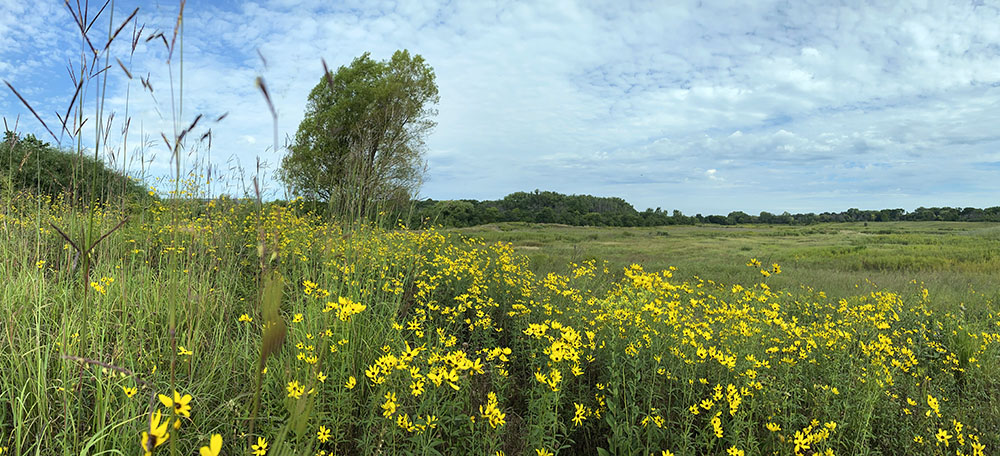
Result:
pixel 283 333
pixel 958 260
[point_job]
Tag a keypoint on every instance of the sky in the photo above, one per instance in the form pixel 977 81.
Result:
pixel 703 107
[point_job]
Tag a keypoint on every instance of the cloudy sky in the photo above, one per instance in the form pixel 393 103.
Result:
pixel 705 107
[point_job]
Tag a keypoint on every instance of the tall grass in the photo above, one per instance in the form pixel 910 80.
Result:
pixel 590 361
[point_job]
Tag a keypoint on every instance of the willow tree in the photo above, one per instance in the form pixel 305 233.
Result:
pixel 360 146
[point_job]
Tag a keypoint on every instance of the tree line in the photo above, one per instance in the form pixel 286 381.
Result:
pixel 587 210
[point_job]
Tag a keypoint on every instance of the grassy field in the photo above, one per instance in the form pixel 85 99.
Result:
pixel 959 261
pixel 228 328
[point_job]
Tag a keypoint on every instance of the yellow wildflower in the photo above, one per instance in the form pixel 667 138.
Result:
pixel 214 446
pixel 178 403
pixel 260 448
pixel 323 435
pixel 156 436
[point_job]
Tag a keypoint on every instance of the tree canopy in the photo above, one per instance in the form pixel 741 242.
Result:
pixel 587 210
pixel 360 144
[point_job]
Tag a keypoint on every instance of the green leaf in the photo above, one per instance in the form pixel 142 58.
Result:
pixel 274 334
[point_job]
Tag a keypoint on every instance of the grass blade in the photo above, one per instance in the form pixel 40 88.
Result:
pixel 26 104
pixel 120 27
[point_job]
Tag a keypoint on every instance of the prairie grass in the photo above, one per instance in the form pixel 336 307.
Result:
pixel 414 341
pixel 959 260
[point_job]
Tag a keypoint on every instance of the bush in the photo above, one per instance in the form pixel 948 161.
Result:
pixel 30 164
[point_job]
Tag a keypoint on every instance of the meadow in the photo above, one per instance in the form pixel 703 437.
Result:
pixel 958 260
pixel 230 327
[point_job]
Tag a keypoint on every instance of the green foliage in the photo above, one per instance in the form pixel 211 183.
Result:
pixel 544 207
pixel 360 144
pixel 29 164
pixel 587 210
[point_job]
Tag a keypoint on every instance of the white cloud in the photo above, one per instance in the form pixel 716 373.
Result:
pixel 800 107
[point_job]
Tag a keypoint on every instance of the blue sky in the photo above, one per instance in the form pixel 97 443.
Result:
pixel 705 107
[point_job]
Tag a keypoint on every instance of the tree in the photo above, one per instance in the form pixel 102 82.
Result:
pixel 360 144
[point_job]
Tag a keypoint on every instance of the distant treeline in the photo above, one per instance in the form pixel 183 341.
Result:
pixel 587 210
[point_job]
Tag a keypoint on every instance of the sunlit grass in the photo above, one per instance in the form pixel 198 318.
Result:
pixel 413 341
